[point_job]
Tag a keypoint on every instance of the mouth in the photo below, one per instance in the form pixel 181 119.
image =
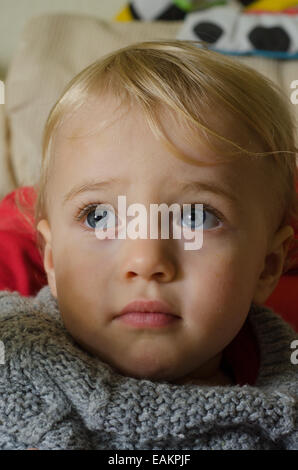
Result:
pixel 143 313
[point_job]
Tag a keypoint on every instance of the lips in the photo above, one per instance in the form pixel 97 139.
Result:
pixel 147 314
pixel 147 306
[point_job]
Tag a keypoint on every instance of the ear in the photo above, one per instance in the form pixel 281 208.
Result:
pixel 44 228
pixel 273 264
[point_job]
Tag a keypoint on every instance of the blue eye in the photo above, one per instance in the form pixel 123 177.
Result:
pixel 98 216
pixel 103 219
pixel 193 218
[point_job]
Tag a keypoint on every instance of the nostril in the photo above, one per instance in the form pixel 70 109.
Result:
pixel 159 274
pixel 131 274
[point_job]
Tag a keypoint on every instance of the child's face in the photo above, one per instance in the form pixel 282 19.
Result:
pixel 210 289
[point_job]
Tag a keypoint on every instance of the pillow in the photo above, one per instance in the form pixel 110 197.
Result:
pixel 229 30
pixel 143 10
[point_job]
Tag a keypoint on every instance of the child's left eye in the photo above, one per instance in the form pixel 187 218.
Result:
pixel 195 217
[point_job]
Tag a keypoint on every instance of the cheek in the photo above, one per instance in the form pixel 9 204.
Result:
pixel 221 282
pixel 83 264
pixel 82 284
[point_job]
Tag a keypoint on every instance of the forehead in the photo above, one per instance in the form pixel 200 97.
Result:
pixel 103 119
pixel 106 138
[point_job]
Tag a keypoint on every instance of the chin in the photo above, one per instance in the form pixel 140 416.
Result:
pixel 153 371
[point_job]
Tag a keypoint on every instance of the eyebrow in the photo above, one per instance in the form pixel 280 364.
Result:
pixel 195 186
pixel 90 185
pixel 210 188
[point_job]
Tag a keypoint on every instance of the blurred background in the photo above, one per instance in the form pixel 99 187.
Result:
pixel 15 13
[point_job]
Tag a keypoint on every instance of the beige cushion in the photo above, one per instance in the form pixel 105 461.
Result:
pixel 52 49
pixel 7 182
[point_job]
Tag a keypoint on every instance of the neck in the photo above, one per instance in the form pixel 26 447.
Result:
pixel 211 373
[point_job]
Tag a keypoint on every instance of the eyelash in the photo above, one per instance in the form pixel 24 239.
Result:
pixel 86 208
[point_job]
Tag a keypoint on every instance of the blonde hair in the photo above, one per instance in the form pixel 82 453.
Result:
pixel 193 81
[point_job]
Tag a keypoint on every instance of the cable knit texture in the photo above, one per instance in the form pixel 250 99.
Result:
pixel 55 395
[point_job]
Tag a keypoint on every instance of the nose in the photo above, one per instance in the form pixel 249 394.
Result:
pixel 148 259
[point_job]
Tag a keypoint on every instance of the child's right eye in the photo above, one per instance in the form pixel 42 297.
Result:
pixel 102 218
pixel 98 218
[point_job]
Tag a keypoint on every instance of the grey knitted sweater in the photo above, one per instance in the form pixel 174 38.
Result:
pixel 54 395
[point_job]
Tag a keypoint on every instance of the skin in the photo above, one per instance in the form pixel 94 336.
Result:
pixel 210 289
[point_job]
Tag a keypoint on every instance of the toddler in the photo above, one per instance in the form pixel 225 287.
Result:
pixel 137 342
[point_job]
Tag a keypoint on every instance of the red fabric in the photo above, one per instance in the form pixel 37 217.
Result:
pixel 21 266
pixel 242 356
pixel 284 298
pixel 21 269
